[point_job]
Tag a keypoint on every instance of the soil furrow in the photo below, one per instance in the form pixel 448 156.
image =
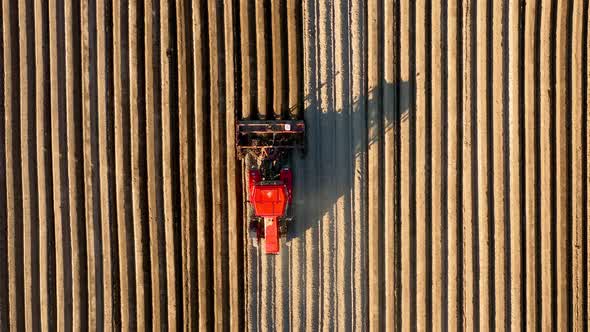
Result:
pixel 443 184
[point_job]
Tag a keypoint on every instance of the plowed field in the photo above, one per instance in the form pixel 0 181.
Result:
pixel 444 184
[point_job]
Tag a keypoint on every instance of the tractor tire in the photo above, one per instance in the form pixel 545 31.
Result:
pixel 253 233
pixel 283 229
pixel 253 225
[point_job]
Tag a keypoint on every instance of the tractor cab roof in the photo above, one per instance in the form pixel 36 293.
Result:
pixel 269 199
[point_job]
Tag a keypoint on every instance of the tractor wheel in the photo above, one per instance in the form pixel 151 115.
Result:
pixel 283 228
pixel 253 232
pixel 253 225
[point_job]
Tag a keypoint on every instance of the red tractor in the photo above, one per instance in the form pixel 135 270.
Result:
pixel 267 144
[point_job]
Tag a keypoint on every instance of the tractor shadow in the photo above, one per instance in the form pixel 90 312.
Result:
pixel 330 178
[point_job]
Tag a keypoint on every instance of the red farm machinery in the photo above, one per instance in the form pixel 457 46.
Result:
pixel 266 145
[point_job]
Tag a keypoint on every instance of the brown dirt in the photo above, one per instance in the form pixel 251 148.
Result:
pixel 445 182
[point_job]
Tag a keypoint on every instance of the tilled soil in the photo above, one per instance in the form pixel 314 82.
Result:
pixel 444 184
